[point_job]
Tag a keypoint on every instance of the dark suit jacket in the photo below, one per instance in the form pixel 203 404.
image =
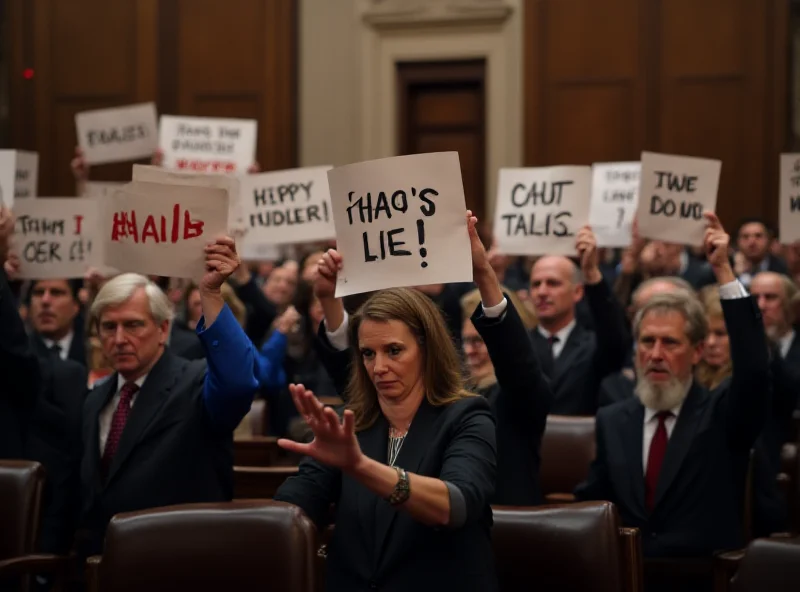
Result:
pixel 699 496
pixel 77 348
pixel 177 446
pixel 588 356
pixel 19 368
pixel 184 343
pixel 376 546
pixel 54 439
pixel 520 401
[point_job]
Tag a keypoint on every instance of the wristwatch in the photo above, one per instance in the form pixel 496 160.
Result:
pixel 402 489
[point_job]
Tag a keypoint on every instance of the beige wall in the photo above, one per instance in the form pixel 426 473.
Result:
pixel 329 82
pixel 348 51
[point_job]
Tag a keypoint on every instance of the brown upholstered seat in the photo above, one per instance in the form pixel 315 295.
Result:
pixel 568 448
pixel 578 547
pixel 241 545
pixel 256 451
pixel 771 565
pixel 21 485
pixel 259 482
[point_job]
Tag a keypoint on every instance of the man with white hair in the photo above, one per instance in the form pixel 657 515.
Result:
pixel 160 430
pixel 673 459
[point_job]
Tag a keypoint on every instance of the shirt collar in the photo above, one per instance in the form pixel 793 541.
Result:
pixel 684 265
pixel 64 343
pixel 562 335
pixel 138 382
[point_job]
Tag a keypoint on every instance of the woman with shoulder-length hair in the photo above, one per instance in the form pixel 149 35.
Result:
pixel 410 466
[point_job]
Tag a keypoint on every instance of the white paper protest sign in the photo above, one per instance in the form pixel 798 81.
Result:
pixel 8 174
pixel 673 194
pixel 789 207
pixel 119 134
pixel 615 195
pixel 160 229
pixel 208 145
pixel 287 207
pixel 540 210
pixel 230 183
pixel 54 236
pixel 400 221
pixel 26 174
pixel 100 188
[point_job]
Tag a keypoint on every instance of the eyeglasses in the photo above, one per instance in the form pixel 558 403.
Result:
pixel 110 328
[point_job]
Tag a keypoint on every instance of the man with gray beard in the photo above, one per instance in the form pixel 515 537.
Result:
pixel 674 458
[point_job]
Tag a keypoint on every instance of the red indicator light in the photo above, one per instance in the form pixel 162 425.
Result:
pixel 27 73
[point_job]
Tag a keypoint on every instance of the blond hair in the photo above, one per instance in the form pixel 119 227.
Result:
pixel 471 300
pixel 709 376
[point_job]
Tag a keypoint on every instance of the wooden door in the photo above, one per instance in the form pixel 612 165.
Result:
pixel 234 58
pixel 441 108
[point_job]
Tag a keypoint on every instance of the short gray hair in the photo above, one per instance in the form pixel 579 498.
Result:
pixel 121 288
pixel 681 302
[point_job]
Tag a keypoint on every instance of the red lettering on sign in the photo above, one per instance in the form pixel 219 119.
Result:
pixel 124 227
pixel 206 166
pixel 155 227
pixel 78 220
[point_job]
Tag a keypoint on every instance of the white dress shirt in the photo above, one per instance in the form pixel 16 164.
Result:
pixel 785 343
pixel 729 291
pixel 107 414
pixel 64 344
pixel 338 338
pixel 562 336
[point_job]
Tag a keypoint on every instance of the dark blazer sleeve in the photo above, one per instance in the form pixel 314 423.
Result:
pixel 470 459
pixel 19 365
pixel 597 485
pixel 748 399
pixel 336 362
pixel 613 340
pixel 516 365
pixel 313 490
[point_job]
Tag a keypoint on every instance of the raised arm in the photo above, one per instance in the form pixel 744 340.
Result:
pixel 470 461
pixel 515 362
pixel 748 399
pixel 233 366
pixel 613 340
pixel 19 365
pixel 261 313
pixel 332 342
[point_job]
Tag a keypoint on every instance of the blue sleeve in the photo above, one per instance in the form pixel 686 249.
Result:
pixel 272 354
pixel 232 376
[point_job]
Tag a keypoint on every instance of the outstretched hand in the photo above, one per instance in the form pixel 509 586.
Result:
pixel 716 242
pixel 480 259
pixel 335 443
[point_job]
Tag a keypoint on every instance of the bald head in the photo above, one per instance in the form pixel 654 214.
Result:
pixel 774 294
pixel 659 285
pixel 556 287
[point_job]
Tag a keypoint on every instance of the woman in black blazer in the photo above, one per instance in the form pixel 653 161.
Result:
pixel 410 466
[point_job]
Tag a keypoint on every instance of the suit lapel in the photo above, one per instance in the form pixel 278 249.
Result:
pixel 563 363
pixel 104 393
pixel 680 441
pixel 543 352
pixel 410 458
pixel 149 401
pixel 373 444
pixel 632 435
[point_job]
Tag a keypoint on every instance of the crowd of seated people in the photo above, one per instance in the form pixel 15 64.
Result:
pixel 417 409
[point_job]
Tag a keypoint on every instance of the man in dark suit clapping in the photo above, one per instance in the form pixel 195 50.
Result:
pixel 674 458
pixel 159 431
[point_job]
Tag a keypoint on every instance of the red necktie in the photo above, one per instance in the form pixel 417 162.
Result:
pixel 118 424
pixel 655 458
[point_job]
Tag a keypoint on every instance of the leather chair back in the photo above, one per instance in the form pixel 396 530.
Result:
pixel 241 545
pixel 572 548
pixel 21 485
pixel 568 448
pixel 769 564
